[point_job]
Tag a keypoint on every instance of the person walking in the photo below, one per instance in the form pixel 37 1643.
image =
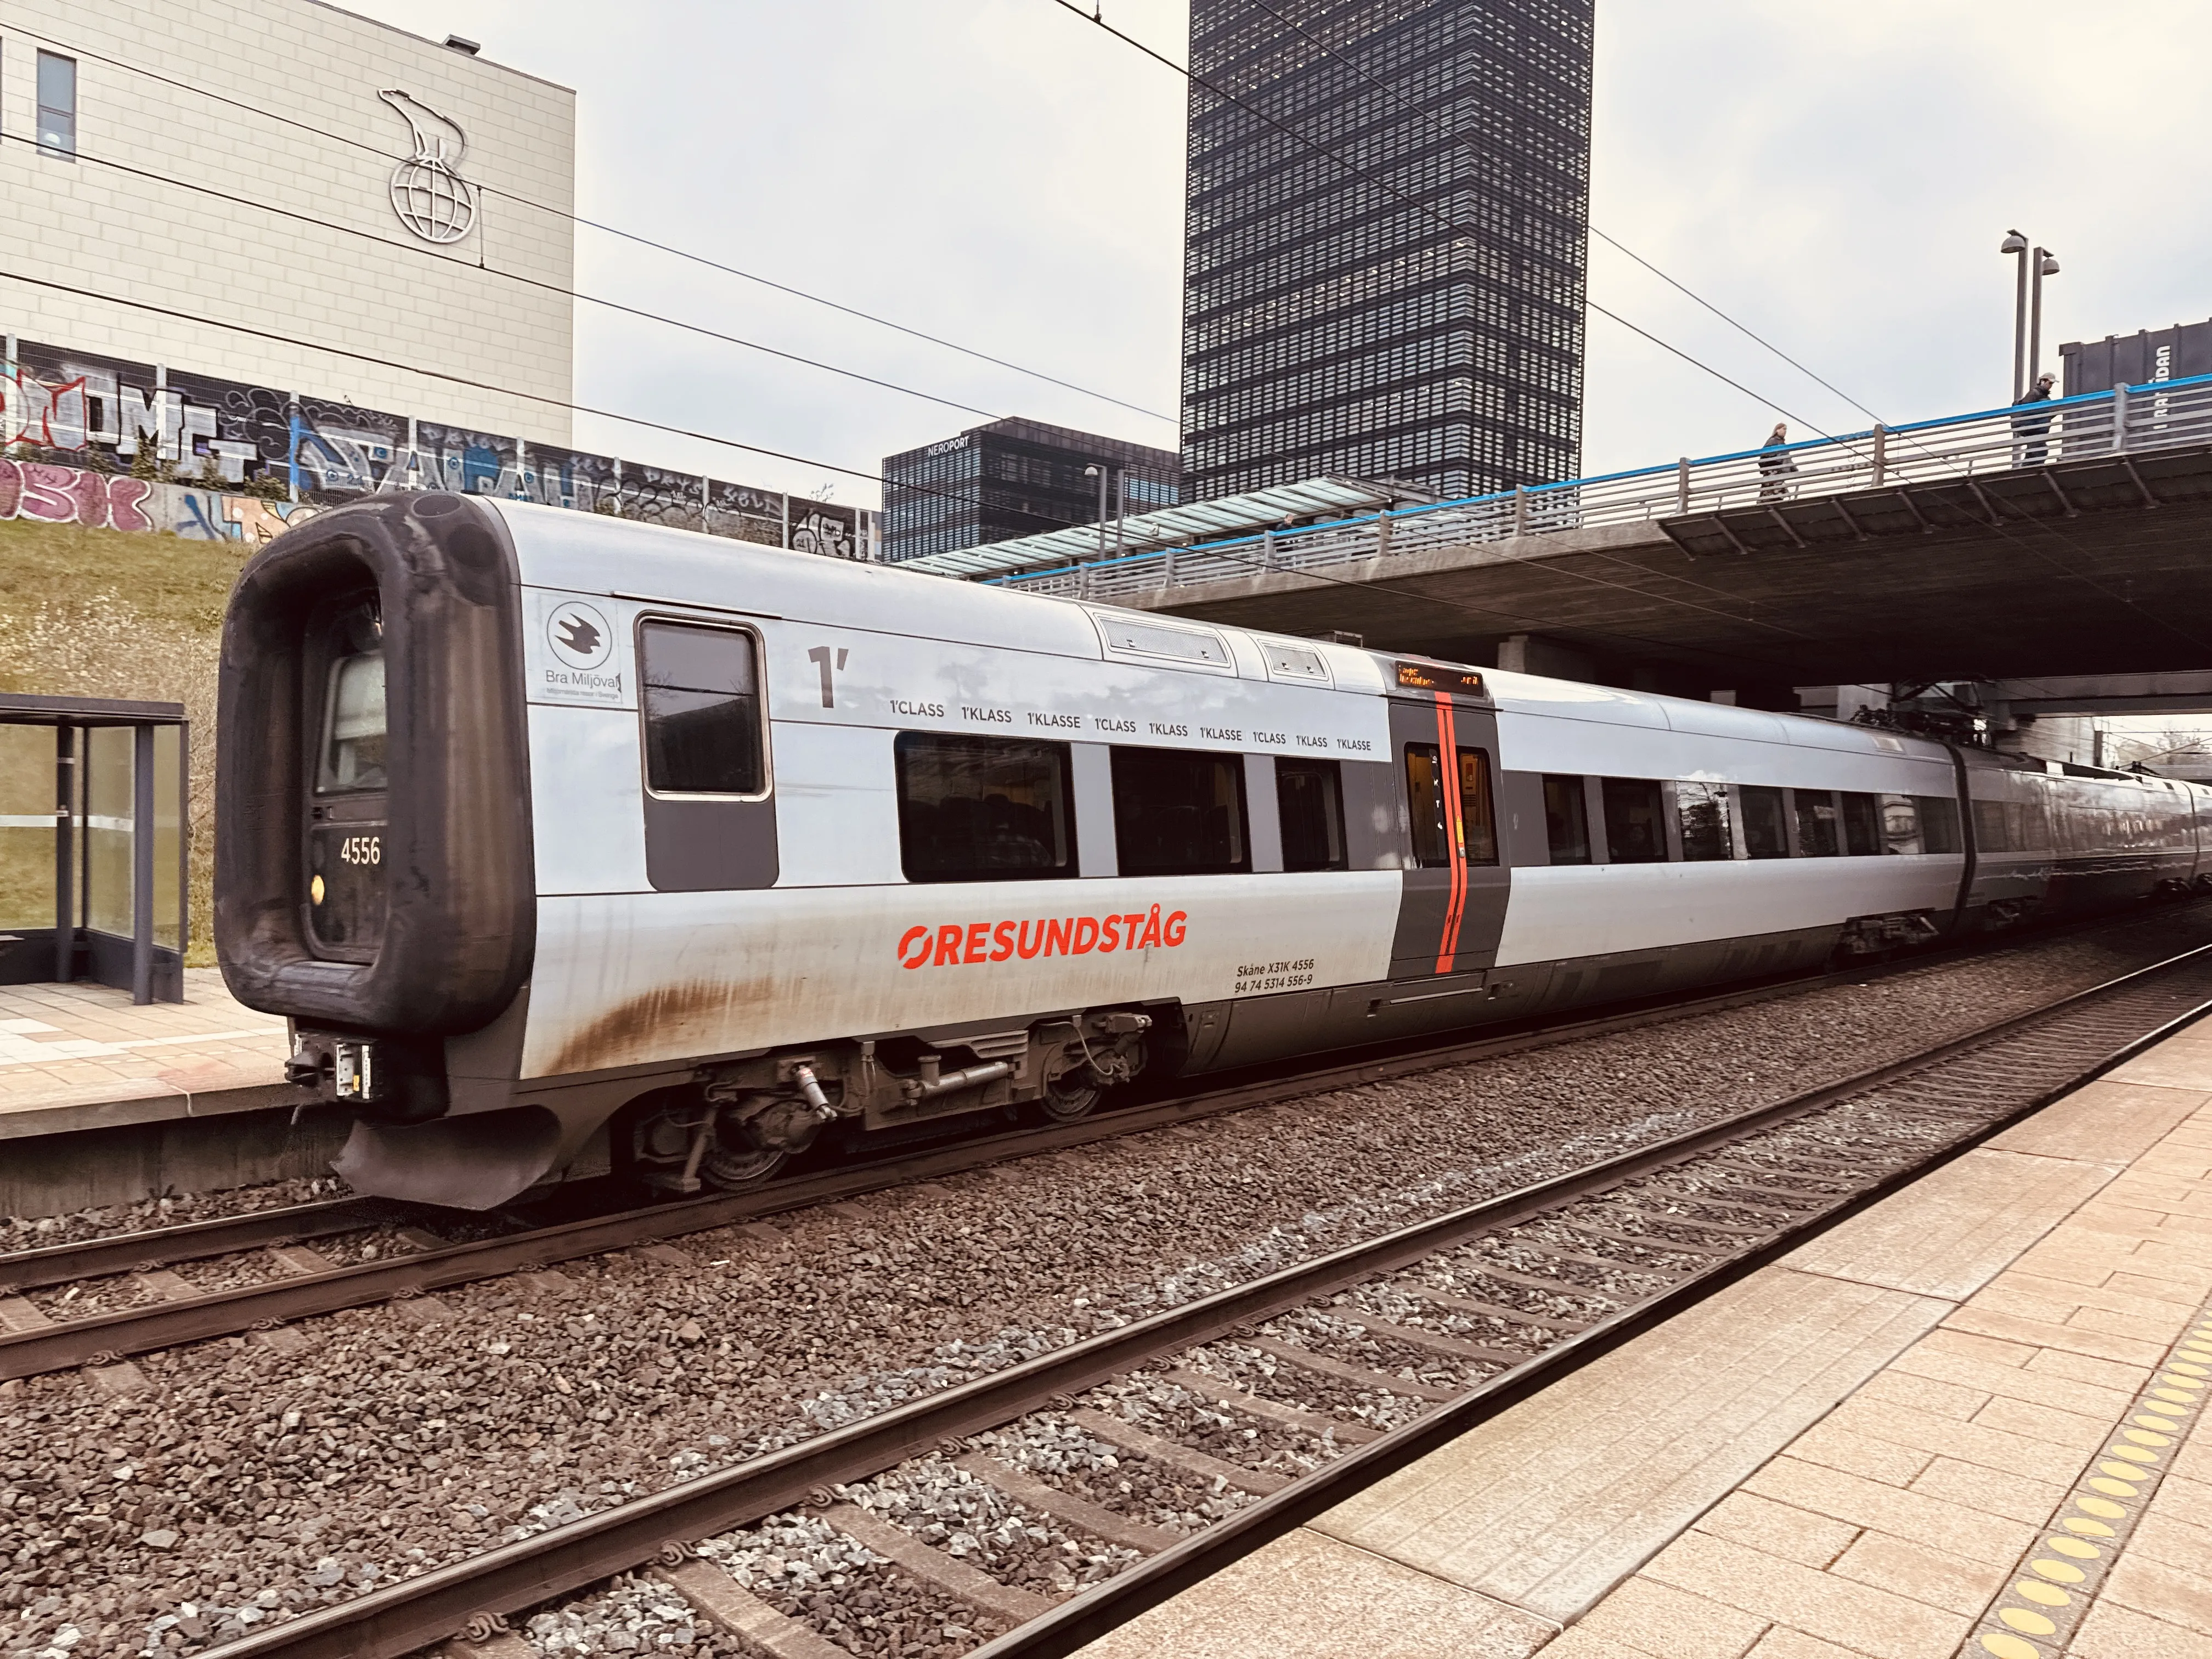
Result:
pixel 1776 464
pixel 2032 432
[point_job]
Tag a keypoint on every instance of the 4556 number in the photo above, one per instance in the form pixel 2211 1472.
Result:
pixel 361 849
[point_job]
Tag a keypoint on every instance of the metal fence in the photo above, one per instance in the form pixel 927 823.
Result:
pixel 2159 415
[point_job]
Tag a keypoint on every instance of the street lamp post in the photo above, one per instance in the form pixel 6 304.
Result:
pixel 2034 264
pixel 2040 266
pixel 1100 473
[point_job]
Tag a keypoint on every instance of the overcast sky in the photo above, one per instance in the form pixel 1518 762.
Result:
pixel 1003 174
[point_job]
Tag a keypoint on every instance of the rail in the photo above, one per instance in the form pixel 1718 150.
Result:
pixel 2127 420
pixel 1977 1084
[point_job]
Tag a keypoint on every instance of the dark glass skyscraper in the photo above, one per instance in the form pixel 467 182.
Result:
pixel 1010 478
pixel 1332 327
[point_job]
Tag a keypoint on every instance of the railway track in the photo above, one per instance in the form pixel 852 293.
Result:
pixel 1503 1296
pixel 287 1280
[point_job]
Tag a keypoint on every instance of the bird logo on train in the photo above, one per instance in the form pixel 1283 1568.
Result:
pixel 579 634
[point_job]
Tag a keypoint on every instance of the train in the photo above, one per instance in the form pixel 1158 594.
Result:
pixel 569 845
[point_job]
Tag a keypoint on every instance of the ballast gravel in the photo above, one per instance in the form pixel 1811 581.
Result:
pixel 974 1522
pixel 1064 1455
pixel 805 1569
pixel 407 1437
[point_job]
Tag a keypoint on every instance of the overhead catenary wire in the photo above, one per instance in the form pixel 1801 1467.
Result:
pixel 1483 613
pixel 669 248
pixel 1354 170
pixel 452 378
pixel 1491 151
pixel 427 253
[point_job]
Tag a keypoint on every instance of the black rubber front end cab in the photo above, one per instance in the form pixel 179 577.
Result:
pixel 374 874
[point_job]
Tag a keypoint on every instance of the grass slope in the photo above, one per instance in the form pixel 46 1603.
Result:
pixel 105 613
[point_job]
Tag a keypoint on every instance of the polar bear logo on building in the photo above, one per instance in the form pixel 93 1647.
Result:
pixel 428 192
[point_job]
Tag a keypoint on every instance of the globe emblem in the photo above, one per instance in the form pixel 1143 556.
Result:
pixel 430 197
pixel 433 201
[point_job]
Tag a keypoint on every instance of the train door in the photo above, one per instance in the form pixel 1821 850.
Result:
pixel 1445 748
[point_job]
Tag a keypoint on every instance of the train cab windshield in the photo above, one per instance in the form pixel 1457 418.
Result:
pixel 346 896
pixel 354 724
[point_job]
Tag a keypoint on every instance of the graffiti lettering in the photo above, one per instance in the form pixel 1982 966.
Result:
pixel 92 416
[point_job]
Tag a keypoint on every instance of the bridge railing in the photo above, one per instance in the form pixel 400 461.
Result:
pixel 1955 449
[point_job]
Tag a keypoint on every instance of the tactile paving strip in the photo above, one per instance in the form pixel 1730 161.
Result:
pixel 2035 1615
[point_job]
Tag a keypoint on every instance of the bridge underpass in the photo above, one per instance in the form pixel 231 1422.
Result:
pixel 2064 569
pixel 2075 541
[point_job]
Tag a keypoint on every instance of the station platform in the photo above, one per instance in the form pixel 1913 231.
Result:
pixel 1967 1421
pixel 102 1102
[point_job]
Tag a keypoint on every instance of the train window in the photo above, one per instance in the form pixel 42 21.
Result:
pixel 1310 801
pixel 702 733
pixel 1425 794
pixel 1817 826
pixel 1635 829
pixel 1478 823
pixel 1178 813
pixel 1566 819
pixel 1862 825
pixel 354 724
pixel 984 808
pixel 1939 823
pixel 1993 826
pixel 1766 828
pixel 1901 825
pixel 1702 810
pixel 1424 797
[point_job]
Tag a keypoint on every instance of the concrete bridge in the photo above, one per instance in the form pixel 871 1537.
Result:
pixel 2072 538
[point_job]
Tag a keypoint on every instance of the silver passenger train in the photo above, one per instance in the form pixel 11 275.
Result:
pixel 565 842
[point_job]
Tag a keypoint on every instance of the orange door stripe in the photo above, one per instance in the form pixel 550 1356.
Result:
pixel 1455 831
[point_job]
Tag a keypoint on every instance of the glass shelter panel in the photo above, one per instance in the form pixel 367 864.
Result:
pixel 168 837
pixel 109 796
pixel 27 826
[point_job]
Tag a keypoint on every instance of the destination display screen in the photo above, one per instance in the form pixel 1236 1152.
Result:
pixel 1434 676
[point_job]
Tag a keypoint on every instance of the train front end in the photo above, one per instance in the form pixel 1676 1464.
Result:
pixel 373 871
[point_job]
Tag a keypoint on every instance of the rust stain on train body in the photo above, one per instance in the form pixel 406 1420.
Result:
pixel 640 1032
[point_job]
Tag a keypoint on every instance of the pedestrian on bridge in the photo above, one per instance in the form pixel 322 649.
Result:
pixel 2033 431
pixel 1776 464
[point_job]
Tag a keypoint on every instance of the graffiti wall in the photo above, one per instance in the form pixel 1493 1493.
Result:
pixel 115 445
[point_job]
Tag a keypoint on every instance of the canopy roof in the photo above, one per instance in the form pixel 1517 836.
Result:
pixel 1166 526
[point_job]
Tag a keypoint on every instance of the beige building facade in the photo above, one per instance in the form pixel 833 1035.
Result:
pixel 276 195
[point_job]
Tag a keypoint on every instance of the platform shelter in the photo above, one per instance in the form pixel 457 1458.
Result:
pixel 93 844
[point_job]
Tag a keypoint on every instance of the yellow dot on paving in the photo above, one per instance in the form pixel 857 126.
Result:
pixel 2049 1595
pixel 2076 1549
pixel 2136 1453
pixel 2188 1370
pixel 2144 1437
pixel 2102 1506
pixel 2113 1488
pixel 2121 1472
pixel 2087 1528
pixel 2152 1420
pixel 2009 1647
pixel 2171 1397
pixel 2180 1385
pixel 2064 1572
pixel 2033 1623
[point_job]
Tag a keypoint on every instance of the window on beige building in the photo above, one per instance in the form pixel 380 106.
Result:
pixel 57 104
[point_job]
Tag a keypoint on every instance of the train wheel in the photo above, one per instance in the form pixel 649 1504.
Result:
pixel 741 1170
pixel 1072 1094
